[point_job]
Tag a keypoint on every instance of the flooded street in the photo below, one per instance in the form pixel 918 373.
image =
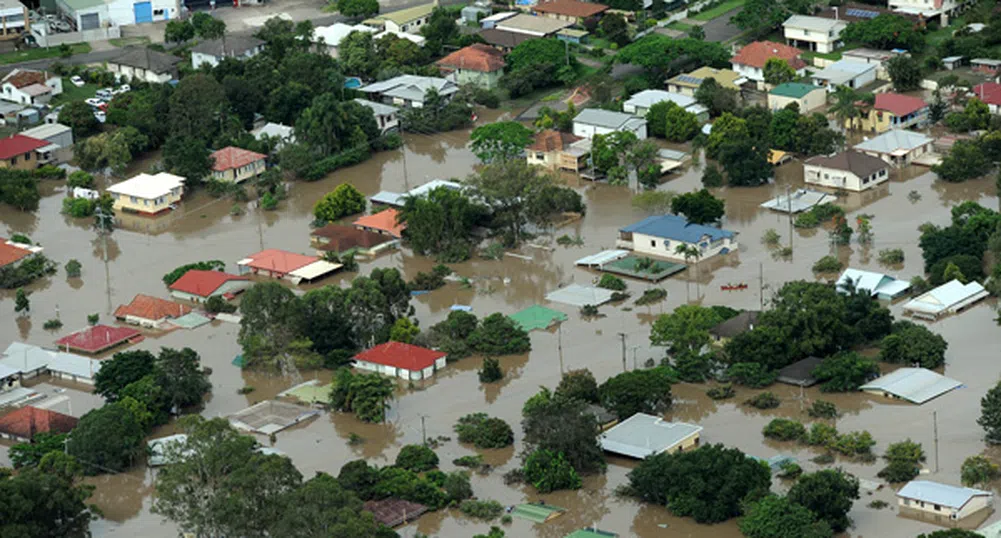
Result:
pixel 142 250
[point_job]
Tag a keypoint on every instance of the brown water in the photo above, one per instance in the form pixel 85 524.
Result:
pixel 203 228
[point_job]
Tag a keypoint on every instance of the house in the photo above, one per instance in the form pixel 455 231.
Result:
pixel 410 20
pixel 662 235
pixel 949 298
pixel 929 9
pixel 393 512
pixel 806 96
pixel 236 165
pixel 739 324
pixel 198 285
pixel 849 170
pixel 269 417
pixel 643 435
pixel 952 502
pixel 11 252
pixel 800 373
pixel 813 33
pixel 472 14
pixel 327 39
pixel 147 194
pixel 238 47
pixel 749 62
pixel 296 268
pixel 897 146
pixel 150 311
pixel 879 58
pixel 15 21
pixel 398 359
pixel 504 40
pixel 416 39
pixel 281 134
pixel 591 532
pixel 573 11
pixel 854 12
pixel 409 91
pixel 845 73
pixel 386 116
pixel 532 25
pixel 687 83
pixel 20 152
pixel 640 103
pixel 95 14
pixel 23 424
pixel 477 65
pixel 30 87
pixel 987 66
pixel 549 149
pixel 916 385
pixel 595 121
pixel 339 240
pixel 951 63
pixel 60 139
pixel 383 222
pixel 894 111
pixel 491 21
pixel 399 199
pixel 32 361
pixel 877 285
pixel 144 64
pixel 990 94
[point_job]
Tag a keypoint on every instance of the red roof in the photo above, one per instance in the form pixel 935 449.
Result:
pixel 476 57
pixel 757 53
pixel 232 157
pixel 400 355
pixel 19 78
pixel 203 283
pixel 898 104
pixel 28 421
pixel 18 144
pixel 152 308
pixel 988 92
pixel 384 220
pixel 97 338
pixel 570 8
pixel 550 140
pixel 278 261
pixel 10 253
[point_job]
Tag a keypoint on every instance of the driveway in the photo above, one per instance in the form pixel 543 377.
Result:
pixel 720 29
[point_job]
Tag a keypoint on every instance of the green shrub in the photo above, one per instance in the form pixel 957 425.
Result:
pixel 784 429
pixel 550 471
pixel 611 282
pixel 750 374
pixel 822 409
pixel 827 264
pixel 416 458
pixel 487 510
pixel 854 444
pixel 484 431
pixel 771 237
pixel 790 470
pixel 49 171
pixel 468 461
pixel 216 304
pixel 52 324
pixel 891 256
pixel 765 400
pixel 821 434
pixel 80 179
pixel 430 281
pixel 651 296
pixel 79 207
pixel 721 392
pixel 73 268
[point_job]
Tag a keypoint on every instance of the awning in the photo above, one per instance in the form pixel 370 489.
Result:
pixel 315 270
pixel 578 295
pixel 601 258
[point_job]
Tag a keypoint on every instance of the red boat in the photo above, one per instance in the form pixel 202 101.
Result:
pixel 733 287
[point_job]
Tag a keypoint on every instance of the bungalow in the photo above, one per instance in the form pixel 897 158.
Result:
pixel 296 268
pixel 876 284
pixel 398 359
pixel 23 424
pixel 800 373
pixel 845 73
pixel 236 165
pixel 739 324
pixel 213 51
pixel 20 152
pixel 640 103
pixel 198 285
pixel 879 58
pixel 662 235
pixel 409 91
pixel 897 146
pixel 814 33
pixel 281 134
pixel 987 66
pixel 145 64
pixel 949 298
pixel 934 498
pixel 894 111
pixel 147 194
pixel 386 116
pixel 149 311
pixel 596 121
pixel 916 385
pixel 643 435
pixel 60 139
pixel 338 239
pixel 29 87
pixel 573 11
pixel 327 39
pixel 990 94
pixel 532 25
pixel 384 222
pixel 504 40
pixel 32 361
pixel 687 83
pixel 410 20
pixel 477 65
pixel 749 62
pixel 806 96
pixel 11 252
pixel 849 170
pixel 550 149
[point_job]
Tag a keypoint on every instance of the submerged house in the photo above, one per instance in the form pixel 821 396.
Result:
pixel 877 284
pixel 916 385
pixel 949 298
pixel 951 502
pixel 662 235
pixel 643 435
pixel 149 311
pixel 398 359
pixel 198 285
pixel 23 424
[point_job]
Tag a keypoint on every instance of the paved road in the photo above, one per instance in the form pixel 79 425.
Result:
pixel 720 29
pixel 77 59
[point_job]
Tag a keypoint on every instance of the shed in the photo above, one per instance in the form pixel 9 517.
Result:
pixel 949 298
pixel 578 295
pixel 800 373
pixel 539 512
pixel 877 284
pixel 399 359
pixel 943 499
pixel 643 435
pixel 916 385
pixel 394 512
pixel 952 62
pixel 806 96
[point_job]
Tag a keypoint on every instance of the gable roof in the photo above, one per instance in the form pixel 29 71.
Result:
pixel 648 98
pixel 894 140
pixel 941 494
pixel 856 162
pixel 475 57
pixel 898 104
pixel 552 140
pixel 677 228
pixel 569 8
pixel 916 385
pixel 232 157
pixel 411 87
pixel 842 71
pixel 148 187
pixel 153 308
pixel 819 24
pixel 400 355
pixel 876 283
pixel 278 261
pixel 795 90
pixel 19 78
pixel 988 92
pixel 757 54
pixel 144 58
pixel 94 339
pixel 504 38
pixel 800 373
pixel 30 420
pixel 18 144
pixel 10 252
pixel 738 324
pixel 342 238
pixel 403 16
pixel 203 283
pixel 605 118
pixel 228 45
pixel 727 78
pixel 384 220
pixel 951 295
pixel 643 435
pixel 533 25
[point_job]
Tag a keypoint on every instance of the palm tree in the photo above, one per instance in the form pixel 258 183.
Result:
pixel 843 107
pixel 689 252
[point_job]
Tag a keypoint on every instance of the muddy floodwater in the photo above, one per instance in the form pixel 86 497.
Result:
pixel 203 228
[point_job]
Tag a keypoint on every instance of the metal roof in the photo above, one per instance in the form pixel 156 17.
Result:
pixel 379 109
pixel 916 385
pixel 404 16
pixel 876 283
pixel 147 186
pixel 842 71
pixel 894 140
pixel 942 494
pixel 578 295
pixel 947 297
pixel 28 358
pixel 604 118
pixel 819 24
pixel 398 199
pixel 411 87
pixel 335 33
pixel 530 24
pixel 602 257
pixel 795 90
pixel 676 228
pixel 648 98
pixel 643 435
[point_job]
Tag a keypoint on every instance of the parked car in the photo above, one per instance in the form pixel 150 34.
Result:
pixel 105 94
pixel 101 117
pixel 93 102
pixel 122 89
pixel 76 80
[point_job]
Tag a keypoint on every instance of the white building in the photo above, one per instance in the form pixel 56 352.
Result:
pixel 898 147
pixel 951 502
pixel 93 14
pixel 31 361
pixel 595 121
pixel 386 116
pixel 411 20
pixel 29 87
pixel 845 73
pixel 850 170
pixel 409 91
pixel 145 64
pixel 813 33
pixel 397 359
pixel 662 235
pixel 283 133
pixel 949 298
pixel 876 284
pixel 327 39
pixel 879 58
pixel 928 9
pixel 211 52
pixel 146 193
pixel 640 103
pixel 642 435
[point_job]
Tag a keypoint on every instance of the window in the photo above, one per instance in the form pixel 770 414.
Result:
pixel 132 199
pixel 157 12
pixel 938 508
pixel 27 156
pixel 654 243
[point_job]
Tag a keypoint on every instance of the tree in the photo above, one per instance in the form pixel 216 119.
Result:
pixel 206 26
pixel 187 157
pixel 180 376
pixel 707 484
pixel 829 494
pixel 715 97
pixel 357 9
pixel 778 71
pixel 699 207
pixel 637 391
pixel 491 371
pixel 990 415
pixel 778 517
pixel 21 303
pixel 903 461
pixel 272 318
pixel 123 369
pixel 344 200
pixel 562 425
pixel 977 471
pixel 363 394
pixel 441 224
pixel 30 454
pixel 107 439
pixel 886 32
pixel 196 106
pixel 680 125
pixel 615 29
pixel 500 141
pixel 498 334
pixel 727 128
pixel 966 160
pixel 78 116
pixel 509 188
pixel 320 506
pixel 357 54
pixel 178 31
pixel 440 30
pixel 404 331
pixel 416 458
pixel 746 163
pixel 686 330
pixel 45 501
pixel 845 372
pixel 905 72
pixel 951 533
pixel 662 56
pixel 913 344
pixel 484 431
pixel 549 471
pixel 328 125
pixel 578 384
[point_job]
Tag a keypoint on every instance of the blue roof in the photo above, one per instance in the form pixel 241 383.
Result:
pixel 676 228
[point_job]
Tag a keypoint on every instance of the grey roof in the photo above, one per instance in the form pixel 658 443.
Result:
pixel 605 118
pixel 274 130
pixel 941 494
pixel 951 296
pixel 856 162
pixel 411 87
pixel 398 199
pixel 894 140
pixel 738 324
pixel 798 201
pixel 643 435
pixel 842 71
pixel 231 45
pixel 144 58
pixel 819 24
pixel 578 295
pixel 986 61
pixel 26 358
pixel 504 38
pixel 676 228
pixel 379 109
pixel 869 54
pixel 648 98
pixel 916 385
pixel 602 415
pixel 601 258
pixel 43 132
pixel 800 373
pixel 533 25
pixel 876 283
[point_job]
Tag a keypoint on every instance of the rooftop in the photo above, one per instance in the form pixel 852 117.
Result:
pixel 643 435
pixel 988 92
pixel 270 416
pixel 798 201
pixel 531 24
pixel 274 130
pixel 941 494
pixel 898 104
pixel 894 140
pixel 151 308
pixel 677 228
pixel 504 38
pixel 819 24
pixel 97 338
pixel 144 58
pixel 11 252
pixel 400 355
pixel 475 57
pixel 385 220
pixel 343 238
pixel 738 324
pixel 569 8
pixel 856 162
pixel 232 157
pixel 916 385
pixel 399 199
pixel 868 54
pixel 20 78
pixel 875 283
pixel 278 261
pixel 578 295
pixel 648 98
pixel 379 109
pixel 552 140
pixel 26 358
pixel 228 45
pixel 727 78
pixel 411 87
pixel 29 420
pixel 46 130
pixel 203 283
pixel 794 90
pixel 18 144
pixel 537 317
pixel 800 373
pixel 394 512
pixel 757 54
pixel 605 118
pixel 147 186
pixel 335 33
pixel 842 71
pixel 405 16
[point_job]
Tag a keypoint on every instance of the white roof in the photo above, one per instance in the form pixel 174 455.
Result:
pixel 819 24
pixel 315 270
pixel 148 187
pixel 158 448
pixel 274 130
pixel 379 109
pixel 524 23
pixel 643 435
pixel 605 118
pixel 498 16
pixel 941 494
pixel 602 258
pixel 948 297
pixel 26 358
pixel 843 71
pixel 414 38
pixel 894 140
pixel 798 201
pixel 648 98
pixel 411 87
pixel 398 199
pixel 46 130
pixel 335 33
pixel 7 371
pixel 578 295
pixel 876 283
pixel 916 385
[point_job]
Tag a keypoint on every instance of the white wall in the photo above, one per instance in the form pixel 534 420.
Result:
pixel 199 59
pixel 646 244
pixel 588 131
pixel 842 179
pixel 122 12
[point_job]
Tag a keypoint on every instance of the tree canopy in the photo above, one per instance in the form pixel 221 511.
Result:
pixel 778 517
pixel 45 500
pixel 637 391
pixel 829 494
pixel 662 56
pixel 561 425
pixel 699 207
pixel 500 140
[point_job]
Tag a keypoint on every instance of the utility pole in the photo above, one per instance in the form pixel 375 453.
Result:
pixel 103 229
pixel 789 210
pixel 403 146
pixel 424 435
pixel 622 336
pixel 761 286
pixel 559 336
pixel 934 419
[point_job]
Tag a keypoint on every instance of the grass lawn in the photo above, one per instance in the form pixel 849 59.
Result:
pixel 128 41
pixel 833 56
pixel 40 53
pixel 73 93
pixel 712 13
pixel 679 26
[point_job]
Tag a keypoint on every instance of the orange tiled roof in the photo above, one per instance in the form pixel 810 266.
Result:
pixel 149 307
pixel 757 53
pixel 551 140
pixel 476 57
pixel 384 221
pixel 232 157
pixel 570 8
pixel 28 421
pixel 10 254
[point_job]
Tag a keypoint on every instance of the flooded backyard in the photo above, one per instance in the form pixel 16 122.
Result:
pixel 203 228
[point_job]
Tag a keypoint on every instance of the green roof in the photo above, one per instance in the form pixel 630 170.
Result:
pixel 537 317
pixel 591 533
pixel 570 32
pixel 795 90
pixel 404 16
pixel 539 513
pixel 311 393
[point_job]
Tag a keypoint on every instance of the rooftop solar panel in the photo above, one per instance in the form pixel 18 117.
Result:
pixel 689 79
pixel 862 13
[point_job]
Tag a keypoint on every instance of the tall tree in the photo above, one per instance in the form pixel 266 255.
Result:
pixel 561 425
pixel 181 377
pixel 829 494
pixel 508 188
pixel 45 501
pixel 778 517
pixel 107 439
pixel 637 391
pixel 990 415
pixel 272 318
pixel 686 330
pixel 123 369
pixel 441 224
pixel 196 106
pixel 778 71
pixel 499 141
pixel 699 207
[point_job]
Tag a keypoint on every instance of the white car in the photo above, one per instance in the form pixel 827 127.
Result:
pixel 105 93
pixel 122 89
pixel 99 114
pixel 76 80
pixel 93 102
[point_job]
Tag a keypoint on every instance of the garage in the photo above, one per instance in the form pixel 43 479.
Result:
pixel 143 11
pixel 90 21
